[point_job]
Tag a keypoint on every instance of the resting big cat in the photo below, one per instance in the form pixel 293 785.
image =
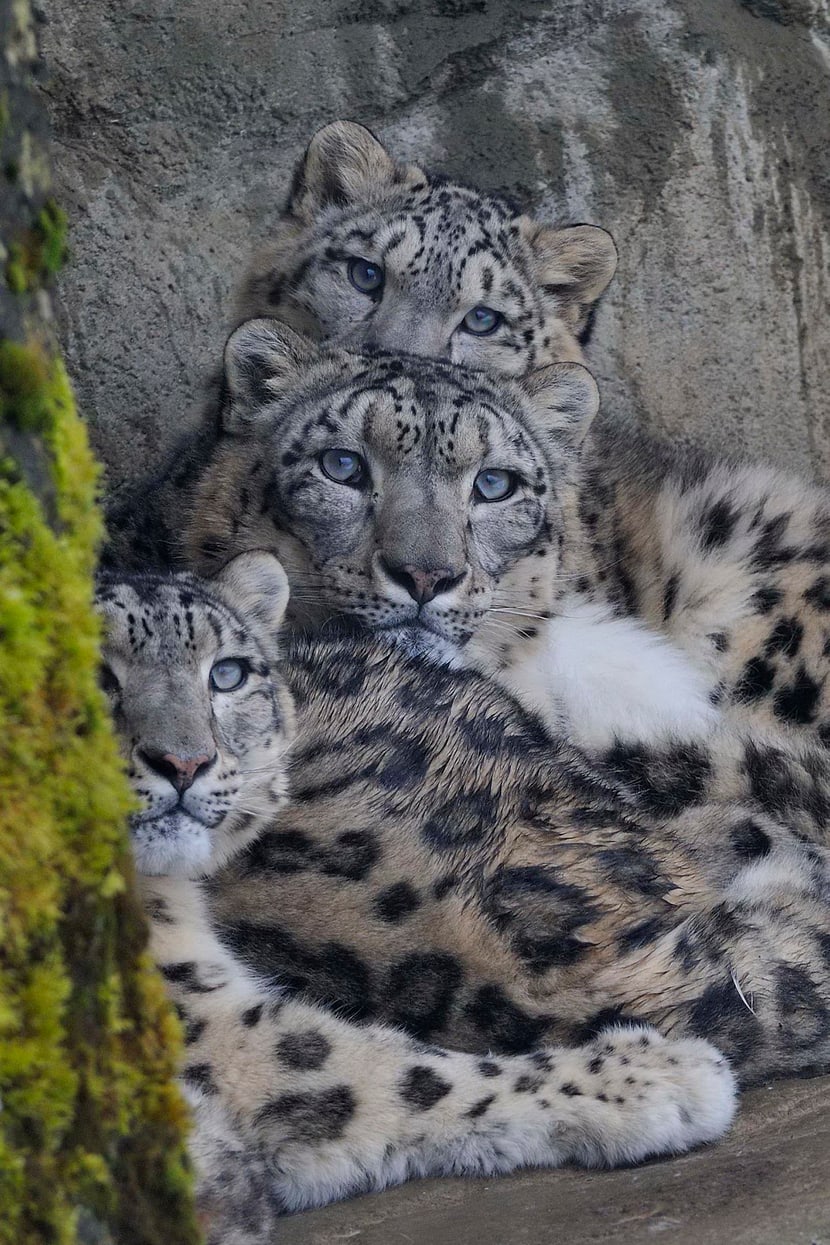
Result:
pixel 372 253
pixel 294 1102
pixel 726 564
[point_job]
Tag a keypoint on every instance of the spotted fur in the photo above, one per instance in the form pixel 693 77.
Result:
pixel 293 1105
pixel 729 563
pixel 443 248
pixel 488 887
pixel 724 563
pixel 729 560
pixel 425 430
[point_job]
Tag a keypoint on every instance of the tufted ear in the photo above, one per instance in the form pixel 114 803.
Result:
pixel 255 587
pixel 566 399
pixel 262 359
pixel 576 263
pixel 344 163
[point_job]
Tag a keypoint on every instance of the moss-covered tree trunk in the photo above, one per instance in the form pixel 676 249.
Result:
pixel 91 1124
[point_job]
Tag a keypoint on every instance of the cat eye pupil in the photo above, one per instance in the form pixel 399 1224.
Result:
pixel 365 276
pixel 107 680
pixel 227 675
pixel 481 321
pixel 342 466
pixel 494 484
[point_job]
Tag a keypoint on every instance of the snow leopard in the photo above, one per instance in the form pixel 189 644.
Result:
pixel 614 585
pixel 719 567
pixel 371 252
pixel 406 937
pixel 298 1101
pixel 672 619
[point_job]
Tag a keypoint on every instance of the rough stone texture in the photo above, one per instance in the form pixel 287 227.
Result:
pixel 698 131
pixel 91 1123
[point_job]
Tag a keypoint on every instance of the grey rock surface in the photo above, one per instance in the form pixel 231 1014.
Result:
pixel 698 131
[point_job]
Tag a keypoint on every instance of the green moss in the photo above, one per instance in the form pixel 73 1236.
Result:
pixel 26 394
pixel 91 1124
pixel 15 272
pixel 38 252
pixel 51 230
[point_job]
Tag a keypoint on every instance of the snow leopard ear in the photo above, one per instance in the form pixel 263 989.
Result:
pixel 565 399
pixel 255 586
pixel 262 359
pixel 573 265
pixel 344 163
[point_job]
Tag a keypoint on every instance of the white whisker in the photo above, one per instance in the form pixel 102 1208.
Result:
pixel 506 628
pixel 506 609
pixel 741 994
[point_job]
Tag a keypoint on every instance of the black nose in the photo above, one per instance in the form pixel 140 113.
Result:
pixel 180 772
pixel 421 583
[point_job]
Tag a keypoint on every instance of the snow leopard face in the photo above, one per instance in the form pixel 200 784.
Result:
pixel 402 492
pixel 203 716
pixel 372 253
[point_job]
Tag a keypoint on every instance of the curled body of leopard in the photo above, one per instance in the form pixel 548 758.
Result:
pixel 293 1105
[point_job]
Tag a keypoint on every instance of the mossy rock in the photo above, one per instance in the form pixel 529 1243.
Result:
pixel 90 1121
pixel 38 250
pixel 92 1125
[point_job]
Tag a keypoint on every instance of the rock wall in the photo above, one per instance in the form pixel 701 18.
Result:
pixel 91 1124
pixel 698 131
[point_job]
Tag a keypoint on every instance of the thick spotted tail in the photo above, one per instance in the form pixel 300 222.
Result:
pixel 752 972
pixel 746 772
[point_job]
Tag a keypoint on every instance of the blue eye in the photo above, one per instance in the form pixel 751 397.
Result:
pixel 481 321
pixel 227 676
pixel 365 276
pixel 343 466
pixel 494 484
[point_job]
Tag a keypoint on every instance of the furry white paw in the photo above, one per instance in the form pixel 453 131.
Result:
pixel 612 679
pixel 658 1096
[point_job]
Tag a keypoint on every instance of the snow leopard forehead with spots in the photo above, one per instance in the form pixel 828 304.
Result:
pixel 374 253
pixel 203 717
pixel 401 491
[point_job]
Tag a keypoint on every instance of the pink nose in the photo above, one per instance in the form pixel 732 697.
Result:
pixel 422 585
pixel 180 772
